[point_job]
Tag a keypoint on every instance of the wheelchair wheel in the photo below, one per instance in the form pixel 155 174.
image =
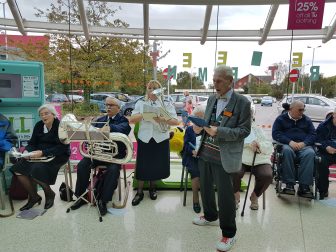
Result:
pixel 278 187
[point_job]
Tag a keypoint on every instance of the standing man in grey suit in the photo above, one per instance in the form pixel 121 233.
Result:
pixel 220 154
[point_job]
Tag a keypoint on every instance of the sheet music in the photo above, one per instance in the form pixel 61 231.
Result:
pixel 149 112
pixel 198 143
pixel 15 153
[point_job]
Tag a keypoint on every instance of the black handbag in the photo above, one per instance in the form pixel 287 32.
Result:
pixel 63 193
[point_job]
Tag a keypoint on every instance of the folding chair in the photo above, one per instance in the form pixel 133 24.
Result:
pixel 4 190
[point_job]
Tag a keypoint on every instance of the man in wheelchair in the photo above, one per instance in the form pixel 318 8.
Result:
pixel 326 140
pixel 296 132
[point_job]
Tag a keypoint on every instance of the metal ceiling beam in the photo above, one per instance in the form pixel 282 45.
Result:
pixel 331 31
pixel 17 16
pixel 45 27
pixel 64 28
pixel 242 36
pixel 209 2
pixel 268 24
pixel 83 19
pixel 146 22
pixel 205 29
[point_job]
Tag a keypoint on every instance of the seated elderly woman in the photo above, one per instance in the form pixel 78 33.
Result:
pixel 44 142
pixel 262 170
pixel 189 159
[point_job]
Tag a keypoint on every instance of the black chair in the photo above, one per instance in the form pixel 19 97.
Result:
pixel 4 189
pixel 184 183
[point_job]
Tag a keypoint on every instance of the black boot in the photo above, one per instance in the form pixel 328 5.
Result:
pixel 31 202
pixel 137 198
pixel 102 207
pixel 78 204
pixel 152 193
pixel 49 200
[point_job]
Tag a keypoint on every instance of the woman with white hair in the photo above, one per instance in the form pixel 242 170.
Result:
pixel 153 157
pixel 44 142
pixel 189 158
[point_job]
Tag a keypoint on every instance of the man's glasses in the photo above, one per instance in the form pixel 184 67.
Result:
pixel 110 105
pixel 301 110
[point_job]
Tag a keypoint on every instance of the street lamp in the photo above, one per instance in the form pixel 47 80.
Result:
pixel 302 75
pixel 4 15
pixel 312 64
pixel 191 76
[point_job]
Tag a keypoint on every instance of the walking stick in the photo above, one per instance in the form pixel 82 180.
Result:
pixel 249 182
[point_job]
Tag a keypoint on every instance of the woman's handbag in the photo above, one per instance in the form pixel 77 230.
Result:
pixel 63 193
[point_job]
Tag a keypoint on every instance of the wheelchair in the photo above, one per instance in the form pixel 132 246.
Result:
pixel 277 158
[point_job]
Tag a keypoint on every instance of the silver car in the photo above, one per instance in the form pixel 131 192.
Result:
pixel 253 108
pixel 317 107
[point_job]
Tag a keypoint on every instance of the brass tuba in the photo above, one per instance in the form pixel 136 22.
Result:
pixel 95 143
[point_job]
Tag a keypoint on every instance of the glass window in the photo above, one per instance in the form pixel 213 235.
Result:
pixel 315 101
pixel 303 99
pixel 122 97
pixel 174 97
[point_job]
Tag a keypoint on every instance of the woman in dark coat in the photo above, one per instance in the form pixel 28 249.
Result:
pixel 44 142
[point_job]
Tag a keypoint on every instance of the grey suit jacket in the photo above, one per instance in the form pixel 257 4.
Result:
pixel 234 127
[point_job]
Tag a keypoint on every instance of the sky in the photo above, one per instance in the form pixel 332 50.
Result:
pixel 239 54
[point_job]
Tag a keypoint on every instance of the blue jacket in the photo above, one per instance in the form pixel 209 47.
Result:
pixel 189 141
pixel 285 130
pixel 326 134
pixel 7 137
pixel 118 124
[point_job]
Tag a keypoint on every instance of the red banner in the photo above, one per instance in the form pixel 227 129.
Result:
pixel 305 14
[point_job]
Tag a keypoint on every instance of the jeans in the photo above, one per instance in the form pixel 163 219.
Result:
pixel 305 157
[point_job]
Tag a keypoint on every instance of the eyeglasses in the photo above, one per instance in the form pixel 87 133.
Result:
pixel 110 105
pixel 301 110
pixel 45 114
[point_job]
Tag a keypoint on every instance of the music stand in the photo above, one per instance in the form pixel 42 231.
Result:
pixel 94 201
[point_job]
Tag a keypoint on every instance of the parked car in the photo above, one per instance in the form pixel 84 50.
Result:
pixel 317 107
pixel 180 98
pixel 58 98
pixel 99 99
pixel 202 101
pixel 128 107
pixel 253 108
pixel 266 101
pixel 75 98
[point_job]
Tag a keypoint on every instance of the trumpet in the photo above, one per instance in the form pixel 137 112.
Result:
pixel 95 143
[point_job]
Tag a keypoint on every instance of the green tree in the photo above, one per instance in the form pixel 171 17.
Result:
pixel 185 80
pixel 98 64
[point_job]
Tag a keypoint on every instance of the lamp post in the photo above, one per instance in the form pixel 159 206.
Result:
pixel 191 76
pixel 302 75
pixel 310 82
pixel 4 15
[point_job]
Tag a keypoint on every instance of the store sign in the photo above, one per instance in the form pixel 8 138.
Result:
pixel 305 14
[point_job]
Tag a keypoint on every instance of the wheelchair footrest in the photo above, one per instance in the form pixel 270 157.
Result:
pixel 288 191
pixel 308 195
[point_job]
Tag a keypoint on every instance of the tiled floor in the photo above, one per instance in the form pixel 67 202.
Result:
pixel 287 224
